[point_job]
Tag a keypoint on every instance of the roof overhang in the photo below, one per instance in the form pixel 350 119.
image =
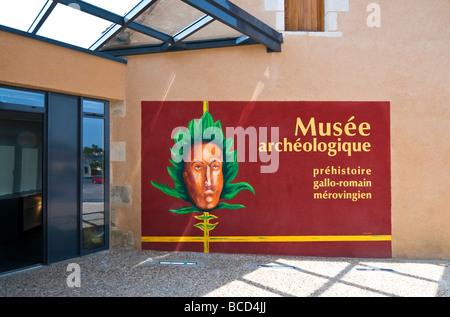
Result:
pixel 139 31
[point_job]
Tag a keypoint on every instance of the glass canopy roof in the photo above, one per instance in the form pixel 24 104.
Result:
pixel 129 27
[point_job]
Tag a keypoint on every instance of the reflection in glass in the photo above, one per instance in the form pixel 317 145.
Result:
pixel 20 157
pixel 20 190
pixel 215 30
pixel 93 209
pixel 130 38
pixel 169 16
pixel 166 16
pixel 21 97
pixel 93 107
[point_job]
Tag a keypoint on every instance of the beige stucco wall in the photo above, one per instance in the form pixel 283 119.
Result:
pixel 405 61
pixel 35 64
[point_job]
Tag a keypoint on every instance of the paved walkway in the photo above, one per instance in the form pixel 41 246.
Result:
pixel 127 273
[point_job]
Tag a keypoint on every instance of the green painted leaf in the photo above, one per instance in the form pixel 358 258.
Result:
pixel 229 206
pixel 171 191
pixel 228 144
pixel 173 162
pixel 181 135
pixel 207 120
pixel 232 190
pixel 231 170
pixel 174 152
pixel 218 124
pixel 197 132
pixel 173 172
pixel 185 210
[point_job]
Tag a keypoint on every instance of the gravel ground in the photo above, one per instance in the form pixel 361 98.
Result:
pixel 133 273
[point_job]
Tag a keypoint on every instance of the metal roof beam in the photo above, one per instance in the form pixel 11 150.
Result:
pixel 254 31
pixel 243 40
pixel 187 31
pixel 146 49
pixel 194 27
pixel 151 32
pixel 194 45
pixel 247 17
pixel 94 10
pixel 126 21
pixel 129 23
pixel 42 16
pixel 238 19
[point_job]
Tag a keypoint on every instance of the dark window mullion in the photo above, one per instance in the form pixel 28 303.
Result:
pixel 80 175
pixel 43 18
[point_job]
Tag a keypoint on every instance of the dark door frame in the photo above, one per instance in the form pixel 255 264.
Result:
pixel 45 166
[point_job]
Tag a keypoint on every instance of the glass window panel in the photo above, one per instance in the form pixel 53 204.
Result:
pixel 20 157
pixel 21 97
pixel 21 144
pixel 20 14
pixel 72 26
pixel 120 7
pixel 30 169
pixel 7 157
pixel 130 38
pixel 169 16
pixel 96 107
pixel 93 210
pixel 215 30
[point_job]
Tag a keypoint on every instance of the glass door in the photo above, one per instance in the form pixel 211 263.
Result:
pixel 54 177
pixel 21 208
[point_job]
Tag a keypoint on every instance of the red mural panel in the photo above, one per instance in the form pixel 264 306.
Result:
pixel 311 179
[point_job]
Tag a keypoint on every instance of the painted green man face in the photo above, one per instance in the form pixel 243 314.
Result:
pixel 203 175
